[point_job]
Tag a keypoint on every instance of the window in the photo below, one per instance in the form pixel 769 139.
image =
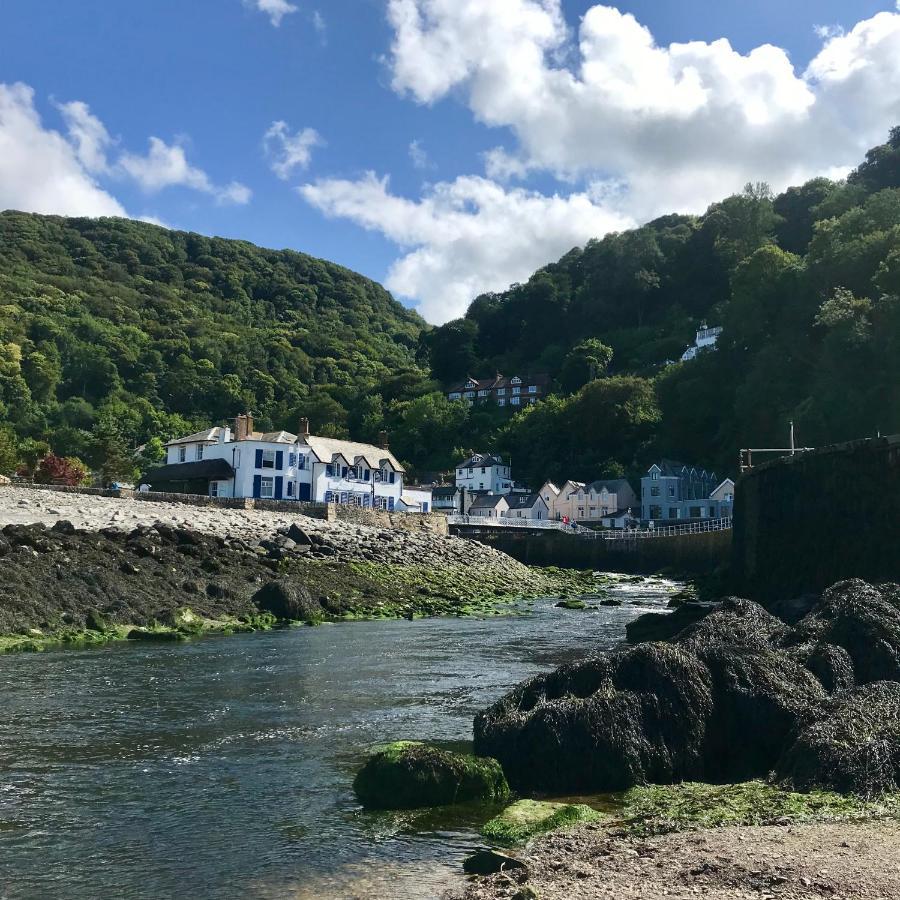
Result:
pixel 182 454
pixel 515 380
pixel 517 390
pixel 198 453
pixel 729 498
pixel 514 401
pixel 302 460
pixel 671 490
pixel 501 401
pixel 673 513
pixel 470 394
pixel 470 471
pixel 214 489
pixel 483 470
pixel 455 395
pixel 292 460
pixel 654 490
pixel 236 457
pixel 329 470
pixel 532 388
pixel 267 488
pixel 655 512
pixel 501 392
pixel 351 473
pixel 654 474
pixel 696 512
pixel 483 393
pixel 290 489
pixel 532 401
pixel 268 459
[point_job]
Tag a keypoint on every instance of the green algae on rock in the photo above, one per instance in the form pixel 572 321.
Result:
pixel 410 774
pixel 527 818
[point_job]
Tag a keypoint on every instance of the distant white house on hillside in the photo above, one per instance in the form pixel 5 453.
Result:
pixel 278 465
pixel 706 339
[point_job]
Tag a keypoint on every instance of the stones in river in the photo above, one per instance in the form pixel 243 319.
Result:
pixel 571 603
pixel 489 862
pixel 410 774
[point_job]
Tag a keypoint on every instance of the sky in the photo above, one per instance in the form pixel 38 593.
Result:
pixel 442 147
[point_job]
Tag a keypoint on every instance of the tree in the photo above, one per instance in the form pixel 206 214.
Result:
pixel 69 471
pixel 585 362
pixel 9 450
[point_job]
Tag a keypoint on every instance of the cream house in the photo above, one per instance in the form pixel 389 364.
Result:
pixel 608 500
pixel 560 500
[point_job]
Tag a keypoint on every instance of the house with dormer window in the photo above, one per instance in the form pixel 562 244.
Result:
pixel 279 465
pixel 514 391
pixel 674 492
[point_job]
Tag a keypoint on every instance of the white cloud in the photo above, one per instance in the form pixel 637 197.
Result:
pixel 40 171
pixel 320 26
pixel 87 133
pixel 286 151
pixel 682 124
pixel 418 156
pixel 464 237
pixel 166 165
pixel 276 10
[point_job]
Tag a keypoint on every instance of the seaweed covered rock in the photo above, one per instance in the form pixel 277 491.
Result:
pixel 850 744
pixel 409 774
pixel 830 664
pixel 737 623
pixel 288 601
pixel 525 819
pixel 626 718
pixel 663 626
pixel 864 621
pixel 759 698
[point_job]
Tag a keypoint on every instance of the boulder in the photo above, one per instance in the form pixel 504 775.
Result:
pixel 289 601
pixel 572 603
pixel 655 626
pixel 63 526
pixel 299 536
pixel 850 744
pixel 625 718
pixel 864 621
pixel 735 622
pixel 409 774
pixel 4 480
pixel 830 664
pixel 527 818
pixel 490 862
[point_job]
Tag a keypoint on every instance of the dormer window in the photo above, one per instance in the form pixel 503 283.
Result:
pixel 471 384
pixel 515 380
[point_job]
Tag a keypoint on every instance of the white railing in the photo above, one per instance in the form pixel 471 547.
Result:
pixel 618 534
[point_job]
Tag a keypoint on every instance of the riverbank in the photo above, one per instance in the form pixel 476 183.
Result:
pixel 84 570
pixel 790 862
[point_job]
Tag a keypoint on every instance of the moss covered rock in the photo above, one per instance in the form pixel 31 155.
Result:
pixel 409 774
pixel 527 818
pixel 572 603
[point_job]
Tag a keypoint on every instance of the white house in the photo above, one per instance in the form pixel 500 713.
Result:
pixel 490 506
pixel 416 499
pixel 484 472
pixel 278 465
pixel 706 339
pixel 527 506
pixel 561 501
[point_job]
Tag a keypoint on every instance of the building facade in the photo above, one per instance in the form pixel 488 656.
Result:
pixel 527 506
pixel 241 462
pixel 606 502
pixel 484 472
pixel 672 491
pixel 706 339
pixel 514 391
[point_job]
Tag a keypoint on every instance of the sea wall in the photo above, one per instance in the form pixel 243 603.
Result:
pixel 690 554
pixel 804 522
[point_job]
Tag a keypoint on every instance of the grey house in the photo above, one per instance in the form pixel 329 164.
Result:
pixel 672 492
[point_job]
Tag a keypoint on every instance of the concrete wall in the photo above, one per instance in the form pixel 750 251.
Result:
pixel 690 554
pixel 795 533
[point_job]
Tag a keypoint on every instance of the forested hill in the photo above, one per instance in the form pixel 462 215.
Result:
pixel 806 285
pixel 115 331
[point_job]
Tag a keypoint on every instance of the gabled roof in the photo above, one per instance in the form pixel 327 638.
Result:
pixel 613 485
pixel 489 501
pixel 273 437
pixel 210 435
pixel 325 449
pixel 550 486
pixel 523 501
pixel 482 459
pixel 491 383
pixel 445 492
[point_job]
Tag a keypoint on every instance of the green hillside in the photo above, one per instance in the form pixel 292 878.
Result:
pixel 806 285
pixel 115 331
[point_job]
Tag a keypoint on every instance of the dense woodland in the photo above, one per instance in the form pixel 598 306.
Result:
pixel 114 334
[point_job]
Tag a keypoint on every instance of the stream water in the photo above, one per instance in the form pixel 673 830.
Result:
pixel 223 767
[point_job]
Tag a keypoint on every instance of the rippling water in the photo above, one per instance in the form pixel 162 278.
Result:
pixel 223 767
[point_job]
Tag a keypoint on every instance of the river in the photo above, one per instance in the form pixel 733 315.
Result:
pixel 223 767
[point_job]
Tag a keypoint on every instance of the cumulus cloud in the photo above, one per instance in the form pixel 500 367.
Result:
pixel 276 10
pixel 418 156
pixel 87 133
pixel 287 152
pixel 466 236
pixel 166 165
pixel 40 171
pixel 681 124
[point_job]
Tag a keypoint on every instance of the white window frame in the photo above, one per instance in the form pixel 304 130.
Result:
pixel 182 454
pixel 515 401
pixel 264 483
pixel 268 459
pixel 214 489
pixel 532 388
pixel 198 453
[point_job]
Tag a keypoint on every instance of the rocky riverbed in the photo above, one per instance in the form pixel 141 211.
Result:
pixel 78 568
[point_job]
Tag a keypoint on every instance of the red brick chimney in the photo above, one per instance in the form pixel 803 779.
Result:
pixel 243 426
pixel 303 430
pixel 383 440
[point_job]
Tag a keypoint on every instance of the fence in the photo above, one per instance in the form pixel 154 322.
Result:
pixel 606 535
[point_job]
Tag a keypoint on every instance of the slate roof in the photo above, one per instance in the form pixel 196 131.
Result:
pixel 211 469
pixel 523 501
pixel 445 493
pixel 211 434
pixel 502 381
pixel 482 459
pixel 489 501
pixel 613 485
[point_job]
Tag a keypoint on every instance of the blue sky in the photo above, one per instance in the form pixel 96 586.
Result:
pixel 209 78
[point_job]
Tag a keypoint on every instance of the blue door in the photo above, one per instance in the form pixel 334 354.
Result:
pixel 305 494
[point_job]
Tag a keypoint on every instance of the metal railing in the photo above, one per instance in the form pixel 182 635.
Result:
pixel 617 534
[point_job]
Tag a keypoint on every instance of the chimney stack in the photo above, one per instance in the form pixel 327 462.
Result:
pixel 383 440
pixel 249 417
pixel 243 427
pixel 303 430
